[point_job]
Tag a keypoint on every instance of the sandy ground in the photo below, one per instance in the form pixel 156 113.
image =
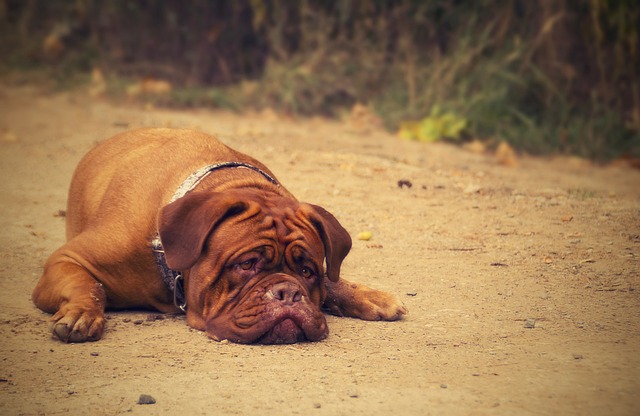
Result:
pixel 523 283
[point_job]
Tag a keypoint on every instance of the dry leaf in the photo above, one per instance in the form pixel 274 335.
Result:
pixel 363 119
pixel 506 155
pixel 475 146
pixel 149 86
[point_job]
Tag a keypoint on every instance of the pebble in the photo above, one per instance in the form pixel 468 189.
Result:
pixel 146 399
pixel 472 189
pixel 530 323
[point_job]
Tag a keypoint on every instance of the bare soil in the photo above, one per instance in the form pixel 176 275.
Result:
pixel 522 282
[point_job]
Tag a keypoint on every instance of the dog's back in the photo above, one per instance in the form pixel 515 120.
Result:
pixel 135 165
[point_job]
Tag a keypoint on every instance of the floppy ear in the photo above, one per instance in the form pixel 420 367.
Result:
pixel 335 238
pixel 185 224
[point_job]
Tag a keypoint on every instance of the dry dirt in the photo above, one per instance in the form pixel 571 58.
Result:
pixel 522 283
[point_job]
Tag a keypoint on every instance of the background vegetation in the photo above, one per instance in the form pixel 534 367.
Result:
pixel 545 75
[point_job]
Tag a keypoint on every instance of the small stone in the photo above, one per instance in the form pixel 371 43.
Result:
pixel 146 399
pixel 577 356
pixel 472 189
pixel 402 183
pixel 95 354
pixel 443 386
pixel 138 322
pixel 530 323
pixel 317 405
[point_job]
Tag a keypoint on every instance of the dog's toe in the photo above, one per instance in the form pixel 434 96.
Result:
pixel 78 325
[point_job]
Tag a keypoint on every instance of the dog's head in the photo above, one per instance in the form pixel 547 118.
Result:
pixel 254 263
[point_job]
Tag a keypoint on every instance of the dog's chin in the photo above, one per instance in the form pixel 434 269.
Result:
pixel 276 325
pixel 284 332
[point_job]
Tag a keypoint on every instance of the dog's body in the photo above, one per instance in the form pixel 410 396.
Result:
pixel 257 264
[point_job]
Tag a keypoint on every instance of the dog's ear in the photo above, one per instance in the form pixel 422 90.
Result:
pixel 185 224
pixel 336 240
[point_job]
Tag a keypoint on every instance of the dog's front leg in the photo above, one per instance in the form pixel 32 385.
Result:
pixel 76 300
pixel 354 300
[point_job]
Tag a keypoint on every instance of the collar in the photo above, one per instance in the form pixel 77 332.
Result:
pixel 173 279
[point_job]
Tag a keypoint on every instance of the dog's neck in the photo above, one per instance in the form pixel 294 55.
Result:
pixel 198 176
pixel 173 279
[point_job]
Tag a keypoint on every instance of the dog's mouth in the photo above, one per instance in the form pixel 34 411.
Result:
pixel 285 332
pixel 265 318
pixel 289 325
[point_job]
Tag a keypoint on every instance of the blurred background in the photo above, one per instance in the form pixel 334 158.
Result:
pixel 547 76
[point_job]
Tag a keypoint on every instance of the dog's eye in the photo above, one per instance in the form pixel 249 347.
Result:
pixel 307 272
pixel 247 265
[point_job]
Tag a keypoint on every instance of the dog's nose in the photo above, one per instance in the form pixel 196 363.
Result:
pixel 286 293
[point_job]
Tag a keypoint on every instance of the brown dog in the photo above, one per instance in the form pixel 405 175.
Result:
pixel 232 247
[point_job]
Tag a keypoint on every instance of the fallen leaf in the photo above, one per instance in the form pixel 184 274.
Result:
pixel 475 146
pixel 148 86
pixel 506 155
pixel 98 84
pixel 364 119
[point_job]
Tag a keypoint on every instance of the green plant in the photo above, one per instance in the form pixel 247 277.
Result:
pixel 437 125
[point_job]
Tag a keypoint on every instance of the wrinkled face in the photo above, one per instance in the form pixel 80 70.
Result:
pixel 260 279
pixel 259 275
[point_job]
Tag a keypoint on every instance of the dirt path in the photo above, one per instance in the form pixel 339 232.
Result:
pixel 523 283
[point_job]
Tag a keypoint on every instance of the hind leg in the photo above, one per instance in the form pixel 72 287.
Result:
pixel 76 300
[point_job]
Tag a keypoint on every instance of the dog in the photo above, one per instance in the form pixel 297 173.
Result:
pixel 174 220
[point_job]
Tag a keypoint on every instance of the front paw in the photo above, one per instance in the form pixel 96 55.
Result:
pixel 358 301
pixel 374 305
pixel 78 324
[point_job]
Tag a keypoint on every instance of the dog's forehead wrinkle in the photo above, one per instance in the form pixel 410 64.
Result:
pixel 285 222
